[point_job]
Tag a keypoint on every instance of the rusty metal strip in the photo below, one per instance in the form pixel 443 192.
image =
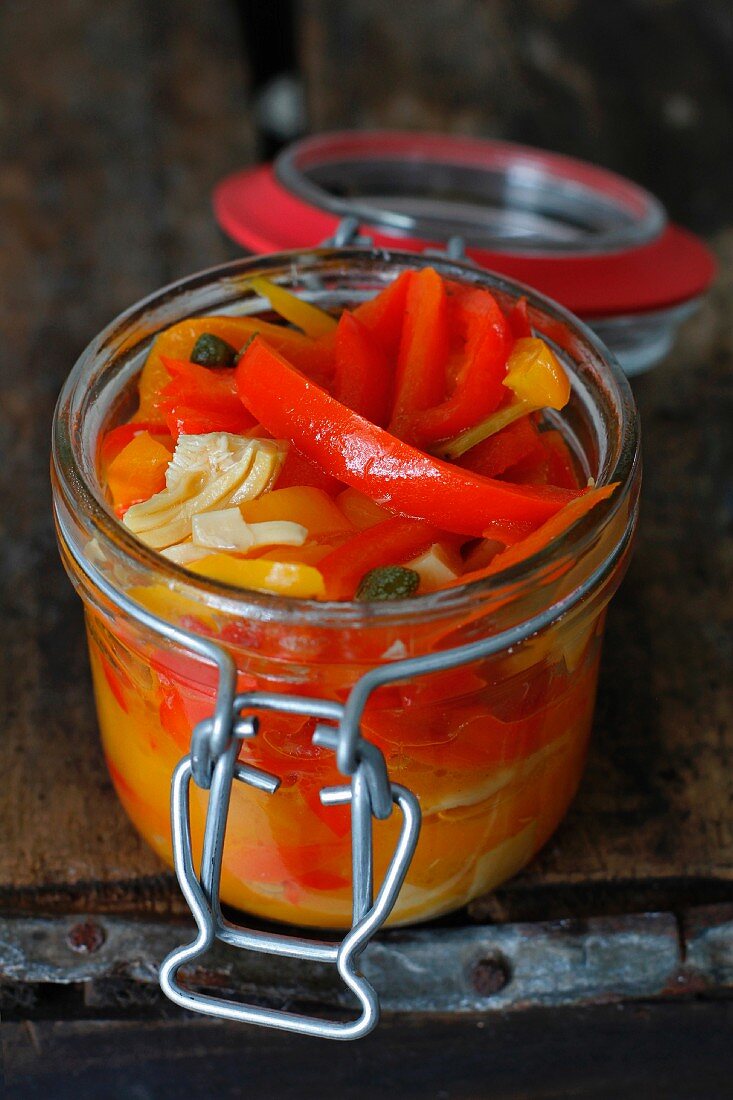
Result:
pixel 485 968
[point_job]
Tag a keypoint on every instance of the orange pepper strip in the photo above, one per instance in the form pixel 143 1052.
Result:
pixel 390 472
pixel 552 529
pixel 303 504
pixel 116 439
pixel 388 543
pixel 138 471
pixel 359 509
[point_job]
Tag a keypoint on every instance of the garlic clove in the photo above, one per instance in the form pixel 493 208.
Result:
pixel 435 568
pixel 184 553
pixel 222 529
pixel 278 532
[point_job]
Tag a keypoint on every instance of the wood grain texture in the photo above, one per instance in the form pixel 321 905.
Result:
pixel 108 153
pixel 109 149
pixel 675 1051
pixel 641 86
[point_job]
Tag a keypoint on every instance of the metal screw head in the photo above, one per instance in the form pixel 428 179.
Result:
pixel 491 975
pixel 86 937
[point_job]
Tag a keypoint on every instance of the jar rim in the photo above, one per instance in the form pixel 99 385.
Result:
pixel 608 213
pixel 87 501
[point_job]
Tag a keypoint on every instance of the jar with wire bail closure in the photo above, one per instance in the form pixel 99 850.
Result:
pixel 305 741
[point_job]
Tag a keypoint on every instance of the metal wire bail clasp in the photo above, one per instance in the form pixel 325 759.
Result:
pixel 370 795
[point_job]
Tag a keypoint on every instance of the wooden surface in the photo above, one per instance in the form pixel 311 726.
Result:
pixel 640 86
pixel 108 156
pixel 675 1052
pixel 109 151
pixel 115 120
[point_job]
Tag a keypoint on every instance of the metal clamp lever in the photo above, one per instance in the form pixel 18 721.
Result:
pixel 202 892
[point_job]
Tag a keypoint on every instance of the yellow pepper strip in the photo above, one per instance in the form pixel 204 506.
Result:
pixel 283 578
pixel 309 554
pixel 360 510
pixel 304 504
pixel 537 380
pixel 169 605
pixel 536 375
pixel 313 321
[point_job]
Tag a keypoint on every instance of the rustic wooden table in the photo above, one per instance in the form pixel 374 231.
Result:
pixel 108 152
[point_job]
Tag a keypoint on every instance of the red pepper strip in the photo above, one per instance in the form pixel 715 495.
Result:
pixel 316 359
pixel 198 420
pixel 118 682
pixel 387 470
pixel 383 315
pixel 336 818
pixel 562 470
pixel 198 400
pixel 545 534
pixel 552 464
pixel 296 867
pixel 363 379
pixel 479 386
pixel 116 439
pixel 298 470
pixel 518 319
pixel 495 455
pixel 423 350
pixel 533 469
pixel 388 543
pixel 196 379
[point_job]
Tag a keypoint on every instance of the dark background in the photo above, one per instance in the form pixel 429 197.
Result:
pixel 117 117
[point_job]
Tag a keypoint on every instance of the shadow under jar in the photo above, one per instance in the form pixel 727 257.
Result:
pixel 494 749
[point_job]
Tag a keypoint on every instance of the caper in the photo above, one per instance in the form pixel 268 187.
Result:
pixel 388 582
pixel 212 351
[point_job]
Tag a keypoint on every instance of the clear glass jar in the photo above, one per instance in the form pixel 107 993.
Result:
pixel 493 750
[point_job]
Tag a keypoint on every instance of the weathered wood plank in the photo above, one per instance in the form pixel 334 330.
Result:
pixel 678 1051
pixel 109 150
pixel 641 86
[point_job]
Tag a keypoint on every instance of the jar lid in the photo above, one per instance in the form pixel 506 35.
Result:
pixel 592 240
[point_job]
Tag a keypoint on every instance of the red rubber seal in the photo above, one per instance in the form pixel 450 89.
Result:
pixel 262 214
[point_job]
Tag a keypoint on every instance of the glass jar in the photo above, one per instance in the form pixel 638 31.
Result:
pixel 493 749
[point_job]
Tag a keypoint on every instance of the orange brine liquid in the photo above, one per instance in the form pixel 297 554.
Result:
pixel 494 752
